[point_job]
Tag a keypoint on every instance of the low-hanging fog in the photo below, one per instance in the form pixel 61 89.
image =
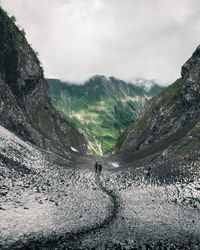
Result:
pixel 126 39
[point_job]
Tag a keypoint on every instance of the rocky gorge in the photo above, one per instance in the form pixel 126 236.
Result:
pixel 148 194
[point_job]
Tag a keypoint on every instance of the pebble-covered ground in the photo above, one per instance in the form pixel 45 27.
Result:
pixel 47 202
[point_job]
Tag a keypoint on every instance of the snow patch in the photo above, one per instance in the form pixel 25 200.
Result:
pixel 73 149
pixel 115 164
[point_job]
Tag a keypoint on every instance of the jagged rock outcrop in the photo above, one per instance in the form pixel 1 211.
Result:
pixel 172 118
pixel 25 104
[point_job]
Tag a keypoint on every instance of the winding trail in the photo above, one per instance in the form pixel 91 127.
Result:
pixel 71 240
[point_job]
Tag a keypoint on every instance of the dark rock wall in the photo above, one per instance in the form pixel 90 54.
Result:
pixel 171 114
pixel 25 104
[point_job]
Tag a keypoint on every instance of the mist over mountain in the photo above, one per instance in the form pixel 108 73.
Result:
pixel 149 39
pixel 170 121
pixel 146 195
pixel 101 107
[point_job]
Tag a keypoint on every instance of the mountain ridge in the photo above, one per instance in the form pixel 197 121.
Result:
pixel 173 112
pixel 50 195
pixel 101 107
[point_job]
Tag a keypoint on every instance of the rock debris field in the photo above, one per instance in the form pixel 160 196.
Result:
pixel 50 202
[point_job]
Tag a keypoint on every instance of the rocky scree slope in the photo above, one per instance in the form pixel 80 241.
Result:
pixel 170 121
pixel 101 107
pixel 25 104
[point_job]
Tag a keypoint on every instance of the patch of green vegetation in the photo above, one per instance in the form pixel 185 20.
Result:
pixel 47 83
pixel 170 92
pixel 13 19
pixel 20 40
pixel 107 143
pixel 23 32
pixel 192 144
pixel 100 108
pixel 190 141
pixel 122 137
pixel 72 123
pixel 10 20
pixel 163 98
pixel 141 125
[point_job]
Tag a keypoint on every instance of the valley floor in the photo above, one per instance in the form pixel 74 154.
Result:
pixel 47 202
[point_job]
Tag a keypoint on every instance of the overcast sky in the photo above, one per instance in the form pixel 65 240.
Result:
pixel 123 38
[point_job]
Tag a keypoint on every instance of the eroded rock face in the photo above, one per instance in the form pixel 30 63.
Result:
pixel 25 104
pixel 191 62
pixel 172 115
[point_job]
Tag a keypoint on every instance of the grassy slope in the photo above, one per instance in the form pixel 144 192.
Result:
pixel 164 99
pixel 100 109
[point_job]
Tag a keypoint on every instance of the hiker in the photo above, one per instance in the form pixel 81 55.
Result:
pixel 96 166
pixel 99 167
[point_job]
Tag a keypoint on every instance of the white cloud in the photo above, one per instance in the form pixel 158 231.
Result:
pixel 126 39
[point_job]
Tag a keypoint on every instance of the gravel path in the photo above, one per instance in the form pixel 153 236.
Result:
pixel 71 240
pixel 47 202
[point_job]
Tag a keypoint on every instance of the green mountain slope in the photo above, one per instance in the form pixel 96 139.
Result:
pixel 169 122
pixel 100 108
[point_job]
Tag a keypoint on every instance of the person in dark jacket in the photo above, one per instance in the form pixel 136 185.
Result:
pixel 99 167
pixel 96 167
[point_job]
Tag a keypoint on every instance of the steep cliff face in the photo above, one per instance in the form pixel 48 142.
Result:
pixel 172 118
pixel 25 104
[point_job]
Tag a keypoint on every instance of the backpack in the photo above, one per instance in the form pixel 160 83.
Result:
pixel 100 166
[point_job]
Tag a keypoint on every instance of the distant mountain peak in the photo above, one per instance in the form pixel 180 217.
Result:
pixel 100 107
